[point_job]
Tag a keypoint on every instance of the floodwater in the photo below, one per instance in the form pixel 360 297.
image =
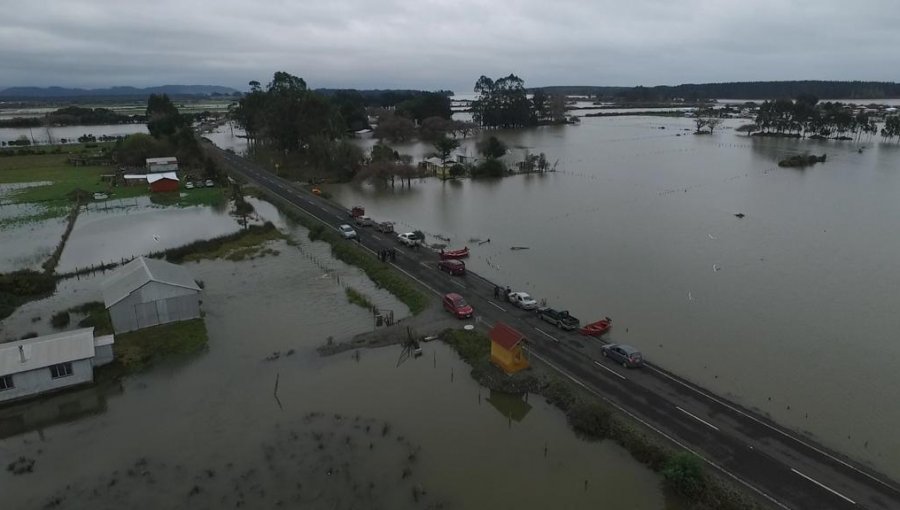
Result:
pixel 790 310
pixel 350 431
pixel 44 135
pixel 113 230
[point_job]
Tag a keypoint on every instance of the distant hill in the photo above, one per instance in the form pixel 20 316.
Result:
pixel 115 92
pixel 823 89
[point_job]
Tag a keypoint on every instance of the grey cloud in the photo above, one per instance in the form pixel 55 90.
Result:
pixel 445 44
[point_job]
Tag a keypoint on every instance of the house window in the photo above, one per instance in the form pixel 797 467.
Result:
pixel 61 370
pixel 6 383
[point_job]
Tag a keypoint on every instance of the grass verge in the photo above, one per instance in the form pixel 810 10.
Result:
pixel 134 351
pixel 348 252
pixel 237 246
pixel 359 299
pixel 379 272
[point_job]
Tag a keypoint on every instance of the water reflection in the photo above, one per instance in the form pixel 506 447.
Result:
pixel 71 405
pixel 510 406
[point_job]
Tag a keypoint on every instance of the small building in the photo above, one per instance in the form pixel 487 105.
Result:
pixel 506 348
pixel 163 183
pixel 51 362
pixel 134 179
pixel 147 292
pixel 432 164
pixel 156 165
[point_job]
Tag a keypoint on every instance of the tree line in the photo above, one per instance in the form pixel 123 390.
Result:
pixel 806 117
pixel 504 103
pixel 309 129
pixel 72 116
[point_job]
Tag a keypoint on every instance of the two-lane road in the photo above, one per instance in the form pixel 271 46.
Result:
pixel 782 467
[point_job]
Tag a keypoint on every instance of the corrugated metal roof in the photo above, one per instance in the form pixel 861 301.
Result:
pixel 104 340
pixel 151 178
pixel 141 271
pixel 47 350
pixel 162 161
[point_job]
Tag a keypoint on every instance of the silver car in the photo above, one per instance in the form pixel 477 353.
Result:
pixel 347 231
pixel 523 300
pixel 626 355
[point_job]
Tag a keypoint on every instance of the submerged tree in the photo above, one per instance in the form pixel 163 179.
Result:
pixel 502 103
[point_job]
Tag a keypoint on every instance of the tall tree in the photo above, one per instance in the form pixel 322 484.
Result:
pixel 163 118
pixel 445 146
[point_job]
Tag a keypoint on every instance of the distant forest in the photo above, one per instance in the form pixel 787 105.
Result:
pixel 739 90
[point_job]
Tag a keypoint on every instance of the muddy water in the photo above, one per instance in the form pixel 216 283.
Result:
pixel 345 432
pixel 70 133
pixel 27 245
pixel 782 310
pixel 122 229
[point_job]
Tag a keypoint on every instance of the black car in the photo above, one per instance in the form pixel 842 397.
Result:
pixel 627 355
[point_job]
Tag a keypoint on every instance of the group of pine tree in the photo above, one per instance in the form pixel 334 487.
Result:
pixel 808 118
pixel 311 128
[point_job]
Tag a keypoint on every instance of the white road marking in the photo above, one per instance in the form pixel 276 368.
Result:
pixel 548 335
pixel 454 282
pixel 701 420
pixel 776 429
pixel 495 305
pixel 613 372
pixel 827 488
pixel 659 431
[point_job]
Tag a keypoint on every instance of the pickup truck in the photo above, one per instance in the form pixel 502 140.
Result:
pixel 560 318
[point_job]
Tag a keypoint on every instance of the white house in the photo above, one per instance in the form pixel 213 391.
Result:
pixel 146 292
pixel 51 362
pixel 168 164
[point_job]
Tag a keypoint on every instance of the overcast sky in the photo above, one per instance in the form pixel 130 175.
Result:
pixel 434 44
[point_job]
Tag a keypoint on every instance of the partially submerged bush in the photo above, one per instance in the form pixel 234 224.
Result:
pixel 60 320
pixel 592 420
pixel 683 473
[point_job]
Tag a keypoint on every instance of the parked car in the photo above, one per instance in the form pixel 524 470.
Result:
pixel 209 183
pixel 409 239
pixel 364 221
pixel 627 355
pixel 455 304
pixel 347 231
pixel 453 267
pixel 523 300
pixel 189 185
pixel 560 318
pixel 385 226
pixel 357 211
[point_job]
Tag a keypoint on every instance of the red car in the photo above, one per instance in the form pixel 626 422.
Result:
pixel 455 304
pixel 453 266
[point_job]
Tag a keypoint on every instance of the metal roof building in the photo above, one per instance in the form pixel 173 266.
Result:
pixel 169 164
pixel 50 362
pixel 146 292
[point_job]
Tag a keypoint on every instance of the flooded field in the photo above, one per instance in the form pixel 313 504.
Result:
pixel 41 136
pixel 350 431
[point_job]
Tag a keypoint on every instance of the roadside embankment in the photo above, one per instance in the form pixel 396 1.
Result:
pixel 382 274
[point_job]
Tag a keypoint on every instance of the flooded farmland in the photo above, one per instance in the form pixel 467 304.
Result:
pixel 349 431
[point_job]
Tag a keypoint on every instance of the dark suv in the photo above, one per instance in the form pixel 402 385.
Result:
pixel 627 355
pixel 453 266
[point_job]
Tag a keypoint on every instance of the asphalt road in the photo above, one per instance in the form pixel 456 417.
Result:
pixel 782 467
